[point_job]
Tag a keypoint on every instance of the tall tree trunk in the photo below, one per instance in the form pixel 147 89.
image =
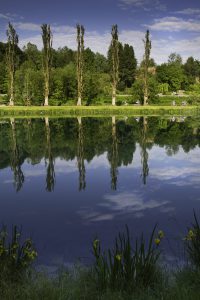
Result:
pixel 11 60
pixel 146 96
pixel 27 91
pixel 147 45
pixel 47 59
pixel 46 93
pixel 11 101
pixel 79 101
pixel 114 94
pixel 80 61
pixel 115 62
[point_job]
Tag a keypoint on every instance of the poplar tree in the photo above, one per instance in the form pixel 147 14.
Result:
pixel 11 59
pixel 115 61
pixel 147 46
pixel 80 60
pixel 47 38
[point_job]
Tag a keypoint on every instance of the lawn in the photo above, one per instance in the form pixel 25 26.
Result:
pixel 35 111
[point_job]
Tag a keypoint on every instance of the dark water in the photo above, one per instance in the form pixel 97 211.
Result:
pixel 67 181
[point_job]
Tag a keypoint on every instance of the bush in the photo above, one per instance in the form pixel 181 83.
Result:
pixel 138 90
pixel 193 100
pixel 119 102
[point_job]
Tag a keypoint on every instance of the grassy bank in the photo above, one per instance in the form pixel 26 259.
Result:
pixel 79 285
pixel 36 111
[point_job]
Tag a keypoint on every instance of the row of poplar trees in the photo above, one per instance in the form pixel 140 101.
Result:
pixel 47 38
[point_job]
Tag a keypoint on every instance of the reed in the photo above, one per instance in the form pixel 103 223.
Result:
pixel 127 267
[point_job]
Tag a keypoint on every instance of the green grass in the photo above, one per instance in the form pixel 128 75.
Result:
pixel 36 111
pixel 79 285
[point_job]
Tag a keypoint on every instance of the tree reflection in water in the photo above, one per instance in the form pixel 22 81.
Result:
pixel 72 139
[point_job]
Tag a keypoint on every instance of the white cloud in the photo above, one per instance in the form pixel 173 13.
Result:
pixel 11 17
pixel 3 16
pixel 131 202
pixel 37 27
pixel 144 4
pixel 189 11
pixel 172 172
pixel 123 203
pixel 64 29
pixel 185 47
pixel 137 3
pixel 27 26
pixel 174 24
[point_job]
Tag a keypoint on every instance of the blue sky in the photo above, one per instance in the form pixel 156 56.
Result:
pixel 174 24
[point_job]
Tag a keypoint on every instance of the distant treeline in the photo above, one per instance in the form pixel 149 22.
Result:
pixel 29 75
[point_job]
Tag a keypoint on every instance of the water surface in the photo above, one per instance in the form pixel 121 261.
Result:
pixel 66 181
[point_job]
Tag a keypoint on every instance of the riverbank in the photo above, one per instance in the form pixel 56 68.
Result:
pixel 79 285
pixel 38 111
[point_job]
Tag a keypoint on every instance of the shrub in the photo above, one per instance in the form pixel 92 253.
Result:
pixel 193 100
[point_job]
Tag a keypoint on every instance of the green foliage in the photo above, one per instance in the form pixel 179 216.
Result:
pixel 124 267
pixel 62 57
pixel 91 87
pixel 192 241
pixel 192 70
pixel 153 87
pixel 195 88
pixel 127 66
pixel 175 59
pixel 172 74
pixel 3 79
pixel 29 89
pixel 33 56
pixel 194 99
pixel 15 257
pixel 163 88
pixel 64 83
